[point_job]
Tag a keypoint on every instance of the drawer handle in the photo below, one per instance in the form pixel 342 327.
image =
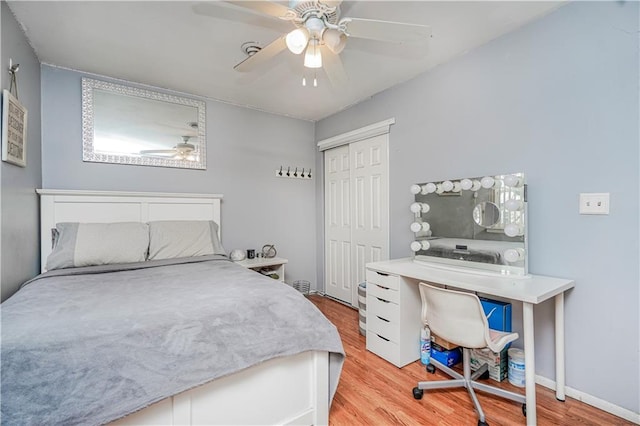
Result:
pixel 382 287
pixel 382 300
pixel 382 273
pixel 383 319
pixel 383 338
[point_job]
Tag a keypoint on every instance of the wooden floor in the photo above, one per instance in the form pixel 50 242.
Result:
pixel 373 391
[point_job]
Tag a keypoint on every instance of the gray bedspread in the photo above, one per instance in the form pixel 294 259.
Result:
pixel 91 345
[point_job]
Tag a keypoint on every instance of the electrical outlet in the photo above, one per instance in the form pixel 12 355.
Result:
pixel 594 203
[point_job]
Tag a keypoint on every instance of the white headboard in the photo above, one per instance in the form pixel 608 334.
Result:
pixel 114 206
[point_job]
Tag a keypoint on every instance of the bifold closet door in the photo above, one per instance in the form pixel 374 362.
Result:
pixel 369 205
pixel 337 223
pixel 356 214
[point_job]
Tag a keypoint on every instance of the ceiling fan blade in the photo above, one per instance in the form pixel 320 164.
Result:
pixel 394 32
pixel 220 10
pixel 263 55
pixel 333 67
pixel 268 8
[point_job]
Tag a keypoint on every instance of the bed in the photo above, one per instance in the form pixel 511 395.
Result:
pixel 178 340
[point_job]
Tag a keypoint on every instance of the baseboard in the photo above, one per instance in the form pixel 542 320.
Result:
pixel 592 400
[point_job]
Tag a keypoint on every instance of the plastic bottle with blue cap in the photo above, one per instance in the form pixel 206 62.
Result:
pixel 425 345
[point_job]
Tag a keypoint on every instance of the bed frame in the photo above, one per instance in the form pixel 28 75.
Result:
pixel 287 390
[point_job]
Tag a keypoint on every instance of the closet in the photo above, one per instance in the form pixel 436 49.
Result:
pixel 356 207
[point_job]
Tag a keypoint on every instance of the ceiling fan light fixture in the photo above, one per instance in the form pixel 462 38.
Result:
pixel 297 40
pixel 313 58
pixel 334 40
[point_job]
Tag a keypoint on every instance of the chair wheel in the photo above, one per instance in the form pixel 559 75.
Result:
pixel 524 410
pixel 417 393
pixel 481 423
pixel 431 368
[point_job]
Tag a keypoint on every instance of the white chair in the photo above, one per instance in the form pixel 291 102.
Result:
pixel 459 318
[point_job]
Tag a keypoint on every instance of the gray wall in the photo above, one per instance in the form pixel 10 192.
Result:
pixel 19 205
pixel 244 148
pixel 558 100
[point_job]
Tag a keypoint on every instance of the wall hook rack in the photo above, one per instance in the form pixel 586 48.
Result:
pixel 293 172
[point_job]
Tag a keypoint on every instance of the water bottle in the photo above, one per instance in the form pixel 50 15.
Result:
pixel 425 345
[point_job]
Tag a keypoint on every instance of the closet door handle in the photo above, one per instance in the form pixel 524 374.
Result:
pixel 382 273
pixel 382 300
pixel 382 287
pixel 383 319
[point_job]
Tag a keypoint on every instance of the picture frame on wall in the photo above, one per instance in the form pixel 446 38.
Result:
pixel 14 130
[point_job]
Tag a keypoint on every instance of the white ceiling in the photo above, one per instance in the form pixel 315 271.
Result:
pixel 168 44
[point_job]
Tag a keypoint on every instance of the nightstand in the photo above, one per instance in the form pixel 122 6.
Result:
pixel 264 265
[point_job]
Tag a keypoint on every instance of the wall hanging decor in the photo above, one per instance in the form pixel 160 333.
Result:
pixel 14 123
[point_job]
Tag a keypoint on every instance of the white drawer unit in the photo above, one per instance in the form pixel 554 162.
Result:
pixel 393 328
pixel 383 279
pixel 382 346
pixel 384 327
pixel 383 293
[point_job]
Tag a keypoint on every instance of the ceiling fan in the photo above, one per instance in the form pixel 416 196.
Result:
pixel 321 33
pixel 181 151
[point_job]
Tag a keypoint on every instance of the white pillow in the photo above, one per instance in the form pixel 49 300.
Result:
pixel 87 244
pixel 183 238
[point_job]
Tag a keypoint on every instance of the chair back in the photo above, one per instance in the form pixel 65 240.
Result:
pixel 455 316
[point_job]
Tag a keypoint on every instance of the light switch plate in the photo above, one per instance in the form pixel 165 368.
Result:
pixel 594 203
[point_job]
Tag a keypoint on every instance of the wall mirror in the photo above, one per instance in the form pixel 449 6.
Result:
pixel 478 222
pixel 127 125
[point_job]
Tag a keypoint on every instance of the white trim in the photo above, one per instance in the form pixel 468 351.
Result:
pixel 379 128
pixel 592 400
pixel 45 191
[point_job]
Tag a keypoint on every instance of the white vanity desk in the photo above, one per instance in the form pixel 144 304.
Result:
pixel 407 273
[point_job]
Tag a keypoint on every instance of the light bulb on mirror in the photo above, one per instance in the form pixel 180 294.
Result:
pixel 476 185
pixel 513 205
pixel 513 255
pixel 456 187
pixel 420 227
pixel 439 189
pixel 415 189
pixel 487 182
pixel 420 207
pixel 513 230
pixel 420 245
pixel 512 181
pixel 447 185
pixel 429 188
pixel 466 184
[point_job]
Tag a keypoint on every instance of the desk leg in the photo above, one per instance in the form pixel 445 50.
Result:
pixel 529 362
pixel 560 375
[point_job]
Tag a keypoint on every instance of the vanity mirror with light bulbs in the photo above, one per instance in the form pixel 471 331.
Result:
pixel 478 222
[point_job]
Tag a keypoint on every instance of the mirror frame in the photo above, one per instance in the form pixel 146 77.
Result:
pixel 88 111
pixel 467 246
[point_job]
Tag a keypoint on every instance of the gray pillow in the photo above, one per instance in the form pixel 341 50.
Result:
pixel 87 244
pixel 172 239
